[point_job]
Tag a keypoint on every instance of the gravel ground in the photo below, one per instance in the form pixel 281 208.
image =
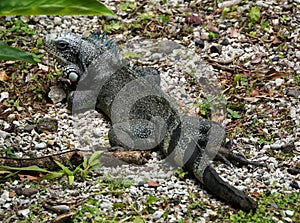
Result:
pixel 274 106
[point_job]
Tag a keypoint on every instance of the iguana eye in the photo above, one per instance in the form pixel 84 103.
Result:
pixel 62 45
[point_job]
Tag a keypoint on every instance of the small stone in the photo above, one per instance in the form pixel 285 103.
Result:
pixel 204 36
pixel 225 42
pixel 4 197
pixel 29 127
pixel 276 58
pixel 57 21
pixel 293 171
pixel 297 54
pixel 259 178
pixel 27 192
pixel 199 43
pixel 98 132
pixel 289 212
pixel 262 4
pixel 41 145
pixel 47 124
pixel 19 109
pixel 279 82
pixel 106 206
pixel 51 142
pixel 4 95
pixel 62 208
pixel 294 184
pixel 11 117
pixel 56 94
pixel 274 205
pixel 141 183
pixel 24 212
pixel 157 214
pixel 293 92
pixel 166 47
pixel 4 134
pixel 215 49
pixel 287 219
pixel 248 181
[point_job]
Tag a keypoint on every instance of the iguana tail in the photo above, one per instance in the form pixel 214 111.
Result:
pixel 224 191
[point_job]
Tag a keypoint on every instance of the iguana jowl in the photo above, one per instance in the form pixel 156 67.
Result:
pixel 142 115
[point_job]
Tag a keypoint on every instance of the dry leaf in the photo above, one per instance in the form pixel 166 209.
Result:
pixel 43 67
pixel 27 177
pixel 3 76
pixel 273 74
pixel 233 33
pixel 276 41
pixel 212 28
pixel 152 183
pixel 255 194
pixel 254 93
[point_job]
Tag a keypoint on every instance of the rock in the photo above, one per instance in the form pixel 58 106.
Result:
pixel 11 117
pixel 287 219
pixel 157 214
pixel 215 49
pixel 199 43
pixel 29 127
pixel 61 208
pixel 166 47
pixel 294 184
pixel 4 134
pixel 279 82
pixel 204 36
pixel 106 205
pixel 98 132
pixel 289 212
pixel 24 212
pixel 27 192
pixel 47 124
pixel 3 96
pixel 293 92
pixel 57 21
pixel 225 42
pixel 41 145
pixel 4 197
pixel 56 94
pixel 293 171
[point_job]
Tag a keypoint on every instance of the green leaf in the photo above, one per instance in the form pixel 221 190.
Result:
pixel 58 7
pixel 233 114
pixel 64 168
pixel 254 14
pixel 71 180
pixel 52 175
pixel 10 53
pixel 85 162
pixel 27 168
pixel 151 200
pixel 95 157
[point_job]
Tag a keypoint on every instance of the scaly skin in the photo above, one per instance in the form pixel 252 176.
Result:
pixel 143 117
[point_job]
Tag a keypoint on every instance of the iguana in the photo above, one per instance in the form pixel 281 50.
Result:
pixel 143 117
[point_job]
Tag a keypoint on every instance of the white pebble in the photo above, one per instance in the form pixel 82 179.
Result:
pixel 41 145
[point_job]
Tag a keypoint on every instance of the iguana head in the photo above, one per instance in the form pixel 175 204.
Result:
pixel 74 52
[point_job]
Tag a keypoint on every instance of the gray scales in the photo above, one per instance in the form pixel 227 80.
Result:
pixel 143 117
